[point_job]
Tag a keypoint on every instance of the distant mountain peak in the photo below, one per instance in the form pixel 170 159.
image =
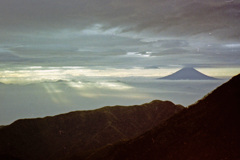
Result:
pixel 188 73
pixel 208 129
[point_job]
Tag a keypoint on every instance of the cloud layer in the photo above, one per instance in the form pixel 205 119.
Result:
pixel 103 33
pixel 73 54
pixel 181 17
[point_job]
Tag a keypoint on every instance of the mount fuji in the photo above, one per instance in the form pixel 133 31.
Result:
pixel 188 73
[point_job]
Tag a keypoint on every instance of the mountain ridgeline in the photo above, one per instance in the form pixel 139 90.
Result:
pixel 76 134
pixel 208 129
pixel 160 130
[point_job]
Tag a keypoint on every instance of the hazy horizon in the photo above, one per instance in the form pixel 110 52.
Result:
pixel 42 99
pixel 55 53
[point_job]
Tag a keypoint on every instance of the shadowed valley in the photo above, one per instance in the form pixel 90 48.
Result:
pixel 77 134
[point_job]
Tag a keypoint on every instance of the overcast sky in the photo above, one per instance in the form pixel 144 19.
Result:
pixel 83 54
pixel 120 34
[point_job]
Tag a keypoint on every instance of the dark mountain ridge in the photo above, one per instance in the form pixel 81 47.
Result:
pixel 188 73
pixel 62 136
pixel 208 129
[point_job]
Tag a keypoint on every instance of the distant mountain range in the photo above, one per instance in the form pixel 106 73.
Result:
pixel 208 129
pixel 160 130
pixel 80 132
pixel 188 73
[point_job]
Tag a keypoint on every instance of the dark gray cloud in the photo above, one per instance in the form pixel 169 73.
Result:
pixel 170 17
pixel 173 43
pixel 96 42
pixel 93 32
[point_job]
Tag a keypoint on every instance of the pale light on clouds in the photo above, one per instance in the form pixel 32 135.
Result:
pixel 112 51
pixel 55 94
pixel 41 74
pixel 235 45
pixel 36 74
pixel 220 72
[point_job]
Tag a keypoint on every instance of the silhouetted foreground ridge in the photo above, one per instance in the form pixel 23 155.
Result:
pixel 207 130
pixel 74 135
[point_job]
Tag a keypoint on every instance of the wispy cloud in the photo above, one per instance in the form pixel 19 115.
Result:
pixel 170 17
pixel 119 33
